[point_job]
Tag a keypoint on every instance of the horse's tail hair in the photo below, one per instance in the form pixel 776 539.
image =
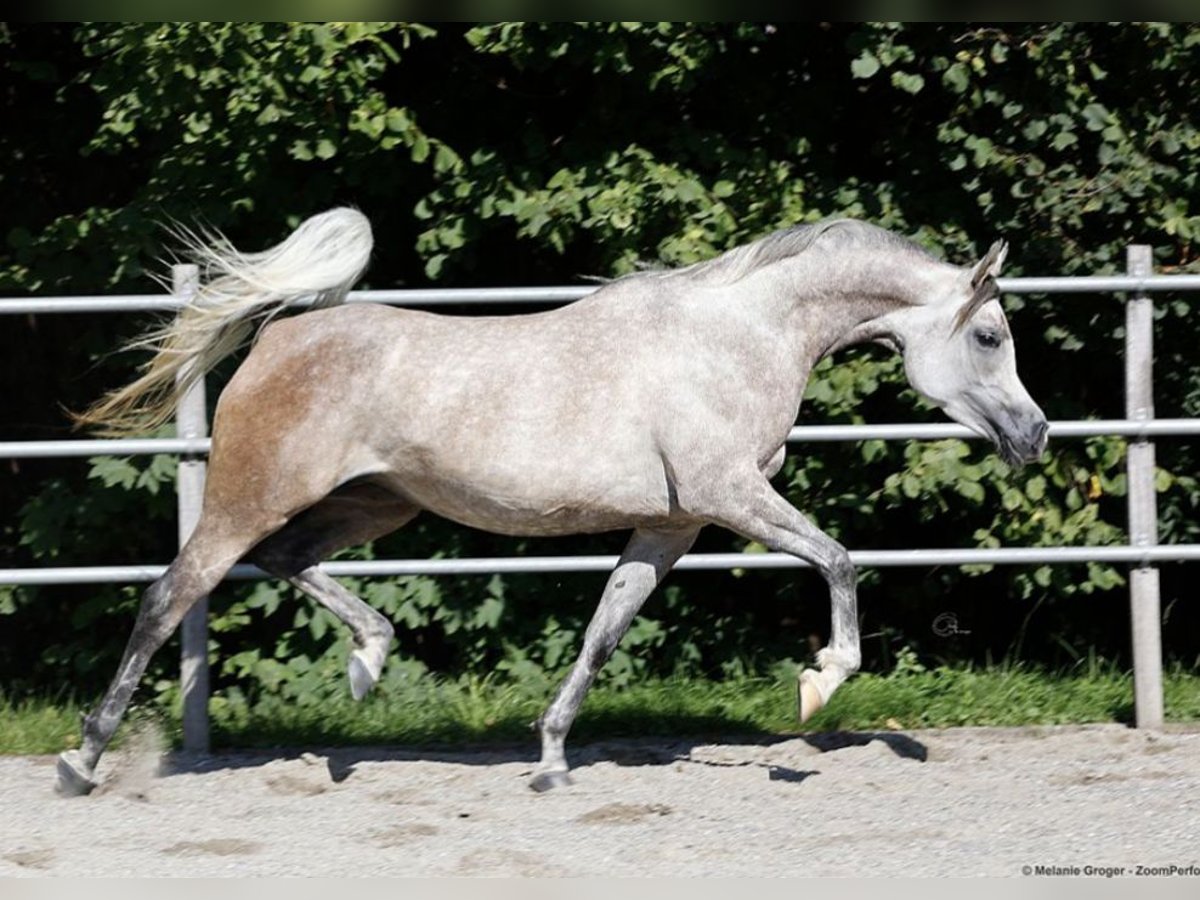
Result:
pixel 238 294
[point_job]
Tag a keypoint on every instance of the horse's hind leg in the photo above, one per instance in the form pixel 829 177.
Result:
pixel 351 515
pixel 646 560
pixel 372 632
pixel 197 569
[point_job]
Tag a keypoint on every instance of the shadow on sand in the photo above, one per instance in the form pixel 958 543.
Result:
pixel 341 762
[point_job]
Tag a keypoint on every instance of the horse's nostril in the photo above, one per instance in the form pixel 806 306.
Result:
pixel 1037 442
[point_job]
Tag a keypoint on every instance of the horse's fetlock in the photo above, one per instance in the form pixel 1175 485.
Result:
pixel 383 631
pixel 552 726
pixel 848 659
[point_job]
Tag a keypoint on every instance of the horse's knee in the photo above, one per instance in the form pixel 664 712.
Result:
pixel 838 570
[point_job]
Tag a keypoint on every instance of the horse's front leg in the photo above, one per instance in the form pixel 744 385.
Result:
pixel 646 560
pixel 754 510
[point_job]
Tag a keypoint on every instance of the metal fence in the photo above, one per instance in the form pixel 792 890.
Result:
pixel 1142 553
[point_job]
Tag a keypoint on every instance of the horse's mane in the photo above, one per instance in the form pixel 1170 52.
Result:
pixel 734 265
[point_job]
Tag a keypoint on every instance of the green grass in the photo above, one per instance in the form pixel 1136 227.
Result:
pixel 482 711
pixel 38 726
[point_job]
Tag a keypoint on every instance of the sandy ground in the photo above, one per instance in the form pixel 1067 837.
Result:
pixel 955 802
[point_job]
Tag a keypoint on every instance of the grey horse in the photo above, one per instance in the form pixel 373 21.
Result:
pixel 659 403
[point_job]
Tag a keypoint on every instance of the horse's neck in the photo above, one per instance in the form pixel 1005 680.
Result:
pixel 837 301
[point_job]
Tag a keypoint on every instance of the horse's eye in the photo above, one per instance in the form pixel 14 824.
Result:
pixel 989 340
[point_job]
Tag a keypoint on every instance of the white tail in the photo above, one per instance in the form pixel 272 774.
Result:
pixel 239 293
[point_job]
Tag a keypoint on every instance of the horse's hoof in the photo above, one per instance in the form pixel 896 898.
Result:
pixel 361 679
pixel 808 695
pixel 72 780
pixel 544 781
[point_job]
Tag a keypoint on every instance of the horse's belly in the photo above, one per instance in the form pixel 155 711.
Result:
pixel 557 519
pixel 535 506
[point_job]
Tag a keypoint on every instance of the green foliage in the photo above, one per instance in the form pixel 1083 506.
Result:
pixel 518 153
pixel 486 710
pixel 1060 503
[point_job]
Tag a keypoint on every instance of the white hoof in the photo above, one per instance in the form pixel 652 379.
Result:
pixel 364 672
pixel 808 695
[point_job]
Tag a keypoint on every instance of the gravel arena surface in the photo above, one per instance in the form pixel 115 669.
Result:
pixel 969 801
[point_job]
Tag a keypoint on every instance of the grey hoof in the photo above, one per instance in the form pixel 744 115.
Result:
pixel 544 781
pixel 72 782
pixel 361 679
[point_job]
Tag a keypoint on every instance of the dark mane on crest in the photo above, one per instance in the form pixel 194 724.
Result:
pixel 734 265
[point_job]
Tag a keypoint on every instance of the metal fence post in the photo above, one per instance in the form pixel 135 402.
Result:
pixel 1143 513
pixel 191 421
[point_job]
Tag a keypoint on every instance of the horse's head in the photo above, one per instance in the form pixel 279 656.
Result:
pixel 958 353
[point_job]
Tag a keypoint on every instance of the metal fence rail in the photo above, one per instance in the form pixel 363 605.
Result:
pixel 101 303
pixel 801 434
pixel 546 565
pixel 1139 426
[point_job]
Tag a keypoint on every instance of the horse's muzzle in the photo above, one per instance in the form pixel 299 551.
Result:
pixel 1024 441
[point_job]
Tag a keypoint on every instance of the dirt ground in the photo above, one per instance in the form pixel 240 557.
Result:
pixel 955 802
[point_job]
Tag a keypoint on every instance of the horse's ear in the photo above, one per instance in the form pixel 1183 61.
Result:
pixel 983 284
pixel 989 266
